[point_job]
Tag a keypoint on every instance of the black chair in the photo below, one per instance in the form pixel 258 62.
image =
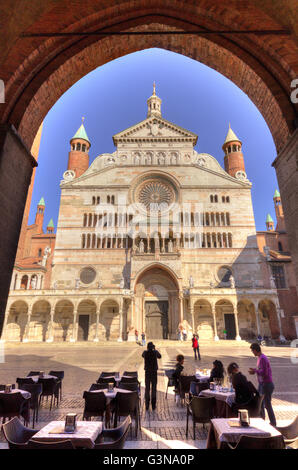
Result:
pixel 251 442
pixel 50 388
pixel 128 404
pixel 130 374
pixel 129 380
pixel 14 404
pixel 114 438
pixel 95 405
pixel 36 391
pixel 290 433
pixel 184 385
pixel 60 375
pixel 254 406
pixel 171 382
pixel 196 388
pixel 106 380
pixel 2 387
pixel 98 387
pixel 67 444
pixel 107 374
pixel 132 386
pixel 24 380
pixel 32 373
pixel 201 410
pixel 16 434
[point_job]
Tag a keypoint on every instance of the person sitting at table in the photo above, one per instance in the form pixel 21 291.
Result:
pixel 178 370
pixel 244 390
pixel 217 371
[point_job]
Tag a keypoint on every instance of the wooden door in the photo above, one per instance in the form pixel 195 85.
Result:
pixel 156 320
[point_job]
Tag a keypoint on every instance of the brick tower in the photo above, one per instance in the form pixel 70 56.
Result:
pixel 280 226
pixel 40 215
pixel 78 157
pixel 269 223
pixel 234 160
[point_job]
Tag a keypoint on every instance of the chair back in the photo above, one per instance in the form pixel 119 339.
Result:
pixel 16 434
pixel 24 380
pixel 133 387
pixel 202 408
pixel 106 380
pixel 130 374
pixel 49 386
pixel 185 381
pixel 2 387
pixel 251 442
pixel 36 391
pixel 57 373
pixel 197 387
pixel 127 403
pixel 67 444
pixel 11 403
pixel 107 374
pixel 128 380
pixel 118 435
pixel 33 372
pixel 94 402
pixel 254 406
pixel 169 374
pixel 290 432
pixel 98 387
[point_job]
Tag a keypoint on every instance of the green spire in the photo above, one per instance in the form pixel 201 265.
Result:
pixel 269 218
pixel 81 133
pixel 51 224
pixel 41 202
pixel 276 194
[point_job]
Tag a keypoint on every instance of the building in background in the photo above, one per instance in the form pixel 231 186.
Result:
pixel 154 237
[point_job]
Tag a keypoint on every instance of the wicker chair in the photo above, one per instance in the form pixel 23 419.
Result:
pixel 128 404
pixel 14 404
pixel 95 405
pixel 171 382
pixel 252 442
pixel 36 391
pixel 114 438
pixel 67 444
pixel 16 434
pixel 290 433
pixel 201 410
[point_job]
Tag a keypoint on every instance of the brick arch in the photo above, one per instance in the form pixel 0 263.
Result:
pixel 257 64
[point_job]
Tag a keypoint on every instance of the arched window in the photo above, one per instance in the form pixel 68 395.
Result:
pixel 211 198
pixel 73 147
pixel 84 147
pixel 234 148
pixel 40 252
pixel 85 220
pixel 280 246
pixel 228 218
pixel 98 200
pixel 90 220
pixel 113 200
pixel 78 146
pixel 108 199
pixel 215 198
pixel 93 200
pixel 83 240
pixel 223 199
pixel 228 199
pixel 230 240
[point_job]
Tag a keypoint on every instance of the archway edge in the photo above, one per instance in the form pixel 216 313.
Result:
pixel 254 66
pixel 160 266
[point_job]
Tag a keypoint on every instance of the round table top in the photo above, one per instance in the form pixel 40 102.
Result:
pixel 16 390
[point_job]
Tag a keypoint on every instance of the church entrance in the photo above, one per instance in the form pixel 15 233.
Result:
pixel 230 325
pixel 156 314
pixel 83 328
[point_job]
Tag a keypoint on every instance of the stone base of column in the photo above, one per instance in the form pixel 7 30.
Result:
pixel 25 340
pixel 119 340
pixel 238 338
pixel 50 340
pixel 72 340
pixel 96 340
pixel 216 338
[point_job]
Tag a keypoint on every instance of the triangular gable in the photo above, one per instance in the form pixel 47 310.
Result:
pixel 155 129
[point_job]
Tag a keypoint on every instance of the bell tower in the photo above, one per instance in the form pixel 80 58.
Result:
pixel 234 160
pixel 40 215
pixel 154 104
pixel 280 226
pixel 78 157
pixel 269 223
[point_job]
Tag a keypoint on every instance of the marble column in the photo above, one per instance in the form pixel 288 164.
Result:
pixel 26 332
pixel 216 338
pixel 73 339
pixel 191 312
pixel 181 308
pixel 96 338
pixel 50 335
pixel 120 339
pixel 19 279
pixel 238 337
pixel 256 305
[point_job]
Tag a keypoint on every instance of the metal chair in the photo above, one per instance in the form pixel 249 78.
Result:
pixel 114 438
pixel 290 433
pixel 128 404
pixel 252 442
pixel 95 405
pixel 24 380
pixel 32 373
pixel 50 388
pixel 14 404
pixel 201 410
pixel 16 434
pixel 35 390
pixel 60 375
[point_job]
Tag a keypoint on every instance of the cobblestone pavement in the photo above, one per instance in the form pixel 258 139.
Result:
pixel 165 427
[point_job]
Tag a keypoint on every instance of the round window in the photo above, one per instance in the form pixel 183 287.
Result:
pixel 224 273
pixel 87 275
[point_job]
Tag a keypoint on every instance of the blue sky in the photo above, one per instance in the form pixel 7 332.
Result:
pixel 113 97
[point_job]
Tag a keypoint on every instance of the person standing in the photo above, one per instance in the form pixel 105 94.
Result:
pixel 195 346
pixel 137 336
pixel 184 333
pixel 150 365
pixel 266 386
pixel 143 339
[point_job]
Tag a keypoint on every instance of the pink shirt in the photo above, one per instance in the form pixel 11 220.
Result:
pixel 263 369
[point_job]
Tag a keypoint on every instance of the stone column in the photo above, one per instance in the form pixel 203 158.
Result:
pixel 278 314
pixel 191 312
pixel 181 307
pixel 216 338
pixel 96 338
pixel 26 332
pixel 238 337
pixel 74 338
pixel 256 305
pixel 51 336
pixel 120 339
pixel 19 279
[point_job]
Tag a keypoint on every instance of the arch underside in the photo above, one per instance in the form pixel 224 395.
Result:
pixel 257 64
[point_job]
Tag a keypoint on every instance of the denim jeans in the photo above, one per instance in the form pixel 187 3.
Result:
pixel 266 389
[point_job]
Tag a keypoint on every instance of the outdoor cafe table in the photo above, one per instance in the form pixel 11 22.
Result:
pixel 200 377
pixel 25 394
pixel 84 436
pixel 223 404
pixel 110 396
pixel 35 378
pixel 221 432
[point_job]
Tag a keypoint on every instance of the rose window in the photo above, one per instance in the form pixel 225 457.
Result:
pixel 156 195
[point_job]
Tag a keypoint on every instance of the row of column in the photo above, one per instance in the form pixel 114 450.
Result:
pixel 16 281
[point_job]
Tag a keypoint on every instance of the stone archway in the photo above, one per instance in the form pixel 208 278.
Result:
pixel 268 319
pixel 247 319
pixel 63 321
pixel 40 318
pixel 225 319
pixel 16 321
pixel 86 320
pixel 38 70
pixel 203 320
pixel 156 304
pixel 109 320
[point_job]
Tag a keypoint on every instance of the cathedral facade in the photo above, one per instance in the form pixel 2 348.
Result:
pixel 154 237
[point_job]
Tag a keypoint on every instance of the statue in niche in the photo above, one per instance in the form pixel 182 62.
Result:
pixel 141 246
pixel 156 243
pixel 55 285
pixel 232 282
pixel 191 282
pixel 122 283
pixel 46 254
pixel 33 282
pixel 170 246
pixel 77 285
pixel 272 282
pixel 99 284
